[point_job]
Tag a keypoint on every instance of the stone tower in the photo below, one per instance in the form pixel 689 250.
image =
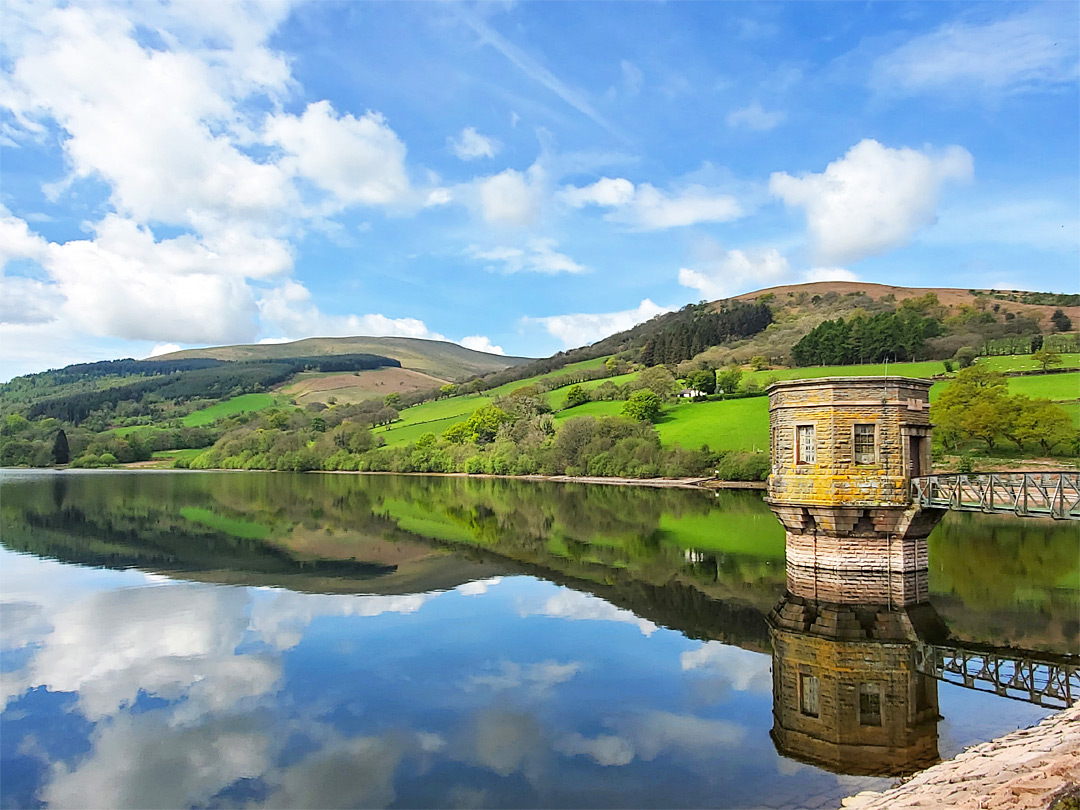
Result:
pixel 844 451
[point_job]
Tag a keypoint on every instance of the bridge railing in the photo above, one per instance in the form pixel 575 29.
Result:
pixel 1049 494
pixel 1044 681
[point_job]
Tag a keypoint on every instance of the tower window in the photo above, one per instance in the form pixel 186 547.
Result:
pixel 865 445
pixel 805 445
pixel 869 704
pixel 808 694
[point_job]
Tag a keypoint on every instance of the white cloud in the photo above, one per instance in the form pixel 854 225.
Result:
pixel 358 160
pixel 873 199
pixel 470 145
pixel 480 586
pixel 28 301
pixel 178 133
pixel 1036 49
pixel 539 256
pixel 511 197
pixel 481 343
pixel 537 678
pixel 289 308
pixel 164 348
pixel 722 273
pixel 743 669
pixel 145 121
pixel 755 117
pixel 607 192
pixel 583 328
pixel 829 274
pixel 575 606
pixel 647 208
pixel 605 749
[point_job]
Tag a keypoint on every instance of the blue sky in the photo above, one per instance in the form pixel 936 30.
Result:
pixel 515 177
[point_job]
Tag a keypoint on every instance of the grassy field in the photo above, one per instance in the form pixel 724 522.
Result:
pixel 1047 386
pixel 581 365
pixel 737 424
pixel 1023 362
pixel 245 403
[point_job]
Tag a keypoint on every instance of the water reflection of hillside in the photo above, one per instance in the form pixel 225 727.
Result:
pixel 710 566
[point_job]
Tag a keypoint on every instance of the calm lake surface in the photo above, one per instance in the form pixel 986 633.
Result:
pixel 269 639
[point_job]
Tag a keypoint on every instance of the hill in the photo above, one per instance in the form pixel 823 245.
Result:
pixel 439 359
pixel 1035 304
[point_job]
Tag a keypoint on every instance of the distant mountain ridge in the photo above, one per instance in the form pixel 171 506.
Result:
pixel 435 357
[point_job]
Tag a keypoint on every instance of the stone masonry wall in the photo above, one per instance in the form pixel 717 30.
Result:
pixel 898 408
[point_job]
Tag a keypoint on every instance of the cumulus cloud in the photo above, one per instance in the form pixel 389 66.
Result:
pixel 289 308
pixel 511 197
pixel 537 678
pixel 607 192
pixel 470 145
pixel 1035 50
pixel 28 301
pixel 164 348
pixel 721 273
pixel 481 343
pixel 829 274
pixel 575 606
pixel 538 256
pixel 647 208
pixel 179 135
pixel 358 160
pixel 605 749
pixel 582 328
pixel 743 669
pixel 873 199
pixel 755 117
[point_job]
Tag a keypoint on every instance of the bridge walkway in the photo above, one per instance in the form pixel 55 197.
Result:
pixel 1054 494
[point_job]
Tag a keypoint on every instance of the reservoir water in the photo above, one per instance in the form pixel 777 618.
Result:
pixel 313 641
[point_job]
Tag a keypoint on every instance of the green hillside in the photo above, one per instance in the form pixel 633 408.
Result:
pixel 439 358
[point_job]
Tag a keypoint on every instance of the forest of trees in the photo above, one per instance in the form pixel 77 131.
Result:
pixel 900 335
pixel 696 328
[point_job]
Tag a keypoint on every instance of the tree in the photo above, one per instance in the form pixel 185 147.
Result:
pixel 759 362
pixel 1061 321
pixel 974 406
pixel 448 390
pixel 965 356
pixel 61 451
pixel 1036 343
pixel 1046 358
pixel 658 380
pixel 576 396
pixel 1040 421
pixel 643 406
pixel 727 382
pixel 611 365
pixel 704 381
pixel 392 400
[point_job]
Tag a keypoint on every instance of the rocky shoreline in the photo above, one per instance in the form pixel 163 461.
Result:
pixel 1035 768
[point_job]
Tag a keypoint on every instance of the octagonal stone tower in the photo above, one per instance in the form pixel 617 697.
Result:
pixel 843 453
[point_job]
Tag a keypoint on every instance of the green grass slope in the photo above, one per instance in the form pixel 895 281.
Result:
pixel 439 358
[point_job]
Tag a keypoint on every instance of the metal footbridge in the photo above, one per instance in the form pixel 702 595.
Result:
pixel 1054 494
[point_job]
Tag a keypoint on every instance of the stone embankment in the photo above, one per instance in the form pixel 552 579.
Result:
pixel 1037 767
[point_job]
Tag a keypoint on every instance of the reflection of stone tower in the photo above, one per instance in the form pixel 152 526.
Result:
pixel 844 451
pixel 846 695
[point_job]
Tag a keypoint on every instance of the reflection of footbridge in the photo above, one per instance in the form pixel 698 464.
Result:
pixel 857 647
pixel 1039 678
